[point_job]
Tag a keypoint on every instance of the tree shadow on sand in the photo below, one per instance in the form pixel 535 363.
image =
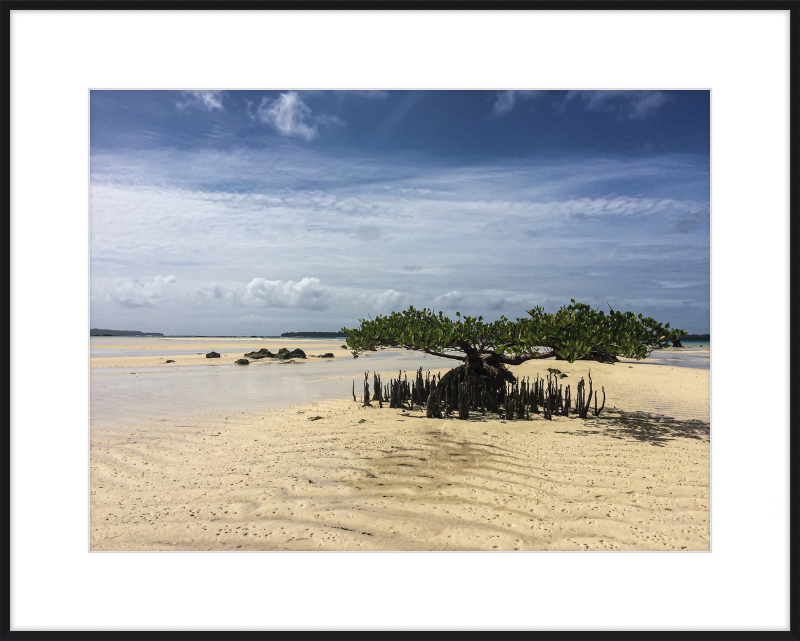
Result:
pixel 655 429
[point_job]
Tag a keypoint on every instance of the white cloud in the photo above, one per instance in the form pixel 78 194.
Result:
pixel 507 99
pixel 288 114
pixel 615 206
pixel 208 100
pixel 487 237
pixel 467 303
pixel 449 300
pixel 309 293
pixel 212 290
pixel 390 300
pixel 646 103
pixel 292 117
pixel 682 285
pixel 635 105
pixel 134 293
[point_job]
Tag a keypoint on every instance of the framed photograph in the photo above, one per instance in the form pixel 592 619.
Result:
pixel 399 319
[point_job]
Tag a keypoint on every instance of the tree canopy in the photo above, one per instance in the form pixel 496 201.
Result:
pixel 574 332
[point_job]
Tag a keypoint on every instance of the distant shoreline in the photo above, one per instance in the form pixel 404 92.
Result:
pixel 131 334
pixel 315 335
pixel 94 331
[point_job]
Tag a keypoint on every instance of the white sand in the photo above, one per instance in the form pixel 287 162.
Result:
pixel 160 350
pixel 635 478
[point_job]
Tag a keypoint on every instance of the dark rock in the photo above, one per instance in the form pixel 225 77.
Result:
pixel 327 355
pixel 242 361
pixel 262 353
pixel 170 361
pixel 285 354
pixel 212 355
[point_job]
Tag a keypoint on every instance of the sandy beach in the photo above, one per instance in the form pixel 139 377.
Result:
pixel 333 475
pixel 155 352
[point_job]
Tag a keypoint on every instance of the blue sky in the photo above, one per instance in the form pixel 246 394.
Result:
pixel 260 212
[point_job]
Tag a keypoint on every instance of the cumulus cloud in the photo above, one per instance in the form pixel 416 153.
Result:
pixel 507 99
pixel 309 293
pixel 635 105
pixel 272 205
pixel 450 299
pixel 292 117
pixel 206 100
pixel 212 290
pixel 456 300
pixel 135 293
pixel 390 300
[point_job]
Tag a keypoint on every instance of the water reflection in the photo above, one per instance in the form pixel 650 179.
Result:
pixel 693 356
pixel 124 396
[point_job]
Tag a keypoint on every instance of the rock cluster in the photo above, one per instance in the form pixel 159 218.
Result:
pixel 262 353
pixel 283 354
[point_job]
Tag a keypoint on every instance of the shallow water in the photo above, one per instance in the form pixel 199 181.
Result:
pixel 108 346
pixel 125 396
pixel 694 355
pixel 129 396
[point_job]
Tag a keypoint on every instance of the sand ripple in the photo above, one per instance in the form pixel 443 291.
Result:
pixel 636 478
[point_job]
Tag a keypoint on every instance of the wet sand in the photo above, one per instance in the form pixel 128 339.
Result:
pixel 635 478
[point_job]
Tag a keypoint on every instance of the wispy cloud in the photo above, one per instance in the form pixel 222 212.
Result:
pixel 507 99
pixel 204 100
pixel 683 285
pixel 290 116
pixel 491 238
pixel 371 94
pixel 635 105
